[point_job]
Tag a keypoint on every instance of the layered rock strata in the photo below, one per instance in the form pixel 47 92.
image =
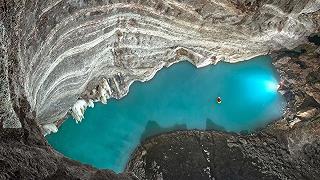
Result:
pixel 55 52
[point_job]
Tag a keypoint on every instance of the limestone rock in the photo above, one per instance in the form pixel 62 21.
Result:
pixel 55 51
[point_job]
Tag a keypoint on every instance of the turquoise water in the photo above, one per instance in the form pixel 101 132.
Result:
pixel 178 97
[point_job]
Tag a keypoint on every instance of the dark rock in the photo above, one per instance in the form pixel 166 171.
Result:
pixel 315 39
pixel 280 152
pixel 286 149
pixel 212 155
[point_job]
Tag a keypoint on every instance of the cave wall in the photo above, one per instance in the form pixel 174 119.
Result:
pixel 54 52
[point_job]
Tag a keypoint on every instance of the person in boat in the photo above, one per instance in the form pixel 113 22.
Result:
pixel 219 100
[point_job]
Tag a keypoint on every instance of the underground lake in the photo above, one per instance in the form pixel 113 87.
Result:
pixel 177 98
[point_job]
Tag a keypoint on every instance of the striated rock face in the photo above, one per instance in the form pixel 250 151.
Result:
pixel 286 149
pixel 53 52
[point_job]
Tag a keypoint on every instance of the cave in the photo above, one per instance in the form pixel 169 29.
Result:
pixel 59 58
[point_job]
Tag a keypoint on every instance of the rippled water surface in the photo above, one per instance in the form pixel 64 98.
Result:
pixel 179 97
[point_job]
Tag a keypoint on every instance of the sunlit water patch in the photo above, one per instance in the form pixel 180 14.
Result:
pixel 179 97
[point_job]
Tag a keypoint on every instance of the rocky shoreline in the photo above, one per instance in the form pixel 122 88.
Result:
pixel 287 149
pixel 280 151
pixel 25 154
pixel 51 52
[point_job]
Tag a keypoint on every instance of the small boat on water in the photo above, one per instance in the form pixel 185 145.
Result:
pixel 219 100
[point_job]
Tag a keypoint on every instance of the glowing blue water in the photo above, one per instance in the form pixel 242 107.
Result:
pixel 181 95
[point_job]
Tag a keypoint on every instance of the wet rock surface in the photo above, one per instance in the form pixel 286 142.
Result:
pixel 287 149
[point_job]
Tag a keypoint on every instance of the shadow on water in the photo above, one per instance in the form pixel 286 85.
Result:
pixel 153 128
pixel 211 125
pixel 259 126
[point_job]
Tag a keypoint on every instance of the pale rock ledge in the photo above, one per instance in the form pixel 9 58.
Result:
pixel 62 50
